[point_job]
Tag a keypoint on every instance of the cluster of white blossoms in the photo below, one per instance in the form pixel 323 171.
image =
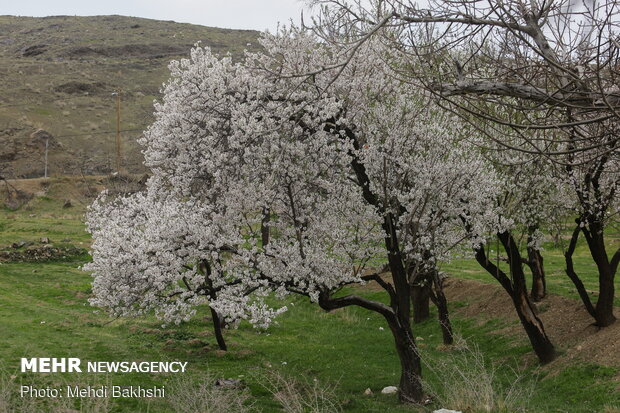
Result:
pixel 319 160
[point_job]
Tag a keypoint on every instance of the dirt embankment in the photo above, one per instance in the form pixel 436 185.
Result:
pixel 566 321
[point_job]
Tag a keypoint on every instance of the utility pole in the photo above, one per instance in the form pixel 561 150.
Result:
pixel 47 143
pixel 118 132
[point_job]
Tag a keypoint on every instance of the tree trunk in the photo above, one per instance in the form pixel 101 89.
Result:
pixel 420 299
pixel 539 284
pixel 604 310
pixel 515 286
pixel 531 323
pixel 441 302
pixel 264 227
pixel 605 305
pixel 410 387
pixel 533 327
pixel 217 328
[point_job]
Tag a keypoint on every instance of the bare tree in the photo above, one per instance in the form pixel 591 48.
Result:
pixel 536 77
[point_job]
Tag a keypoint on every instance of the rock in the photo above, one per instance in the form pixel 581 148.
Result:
pixel 389 390
pixel 446 411
pixel 80 88
pixel 44 240
pixel 368 392
pixel 34 50
pixel 67 204
pixel 41 137
pixel 229 383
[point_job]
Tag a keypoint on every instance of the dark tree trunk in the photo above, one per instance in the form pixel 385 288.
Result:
pixel 539 284
pixel 264 227
pixel 398 312
pixel 410 386
pixel 533 327
pixel 515 286
pixel 420 299
pixel 603 312
pixel 217 328
pixel 410 390
pixel 535 262
pixel 441 302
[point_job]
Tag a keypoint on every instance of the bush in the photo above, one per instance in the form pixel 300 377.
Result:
pixel 301 395
pixel 469 384
pixel 190 395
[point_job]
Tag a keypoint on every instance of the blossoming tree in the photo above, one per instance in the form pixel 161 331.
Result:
pixel 262 182
pixel 511 68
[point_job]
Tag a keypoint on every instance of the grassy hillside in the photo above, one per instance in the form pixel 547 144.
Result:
pixel 45 312
pixel 58 73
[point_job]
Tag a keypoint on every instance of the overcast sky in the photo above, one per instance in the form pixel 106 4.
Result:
pixel 234 14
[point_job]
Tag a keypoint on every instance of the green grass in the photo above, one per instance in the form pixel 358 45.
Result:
pixel 557 280
pixel 56 223
pixel 45 313
pixel 48 315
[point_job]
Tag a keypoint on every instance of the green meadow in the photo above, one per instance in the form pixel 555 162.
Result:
pixel 330 358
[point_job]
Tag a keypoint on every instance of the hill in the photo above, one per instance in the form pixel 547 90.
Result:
pixel 58 74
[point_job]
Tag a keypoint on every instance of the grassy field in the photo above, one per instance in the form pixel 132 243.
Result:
pixel 557 280
pixel 45 313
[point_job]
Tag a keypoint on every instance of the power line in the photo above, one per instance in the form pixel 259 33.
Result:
pixel 43 102
pixel 59 99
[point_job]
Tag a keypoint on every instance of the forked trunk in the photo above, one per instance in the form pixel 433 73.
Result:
pixel 516 287
pixel 603 312
pixel 531 323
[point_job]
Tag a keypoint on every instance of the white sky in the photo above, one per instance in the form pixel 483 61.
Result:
pixel 234 14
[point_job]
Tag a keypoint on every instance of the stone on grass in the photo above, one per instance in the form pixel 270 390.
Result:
pixel 389 390
pixel 368 392
pixel 229 383
pixel 446 411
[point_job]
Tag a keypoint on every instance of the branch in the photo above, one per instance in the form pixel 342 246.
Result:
pixel 384 284
pixel 328 303
pixel 523 91
pixel 463 19
pixel 570 271
pixel 492 269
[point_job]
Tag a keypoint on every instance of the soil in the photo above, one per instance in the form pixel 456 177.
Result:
pixel 568 324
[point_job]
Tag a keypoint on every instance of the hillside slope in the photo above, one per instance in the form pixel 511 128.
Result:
pixel 57 76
